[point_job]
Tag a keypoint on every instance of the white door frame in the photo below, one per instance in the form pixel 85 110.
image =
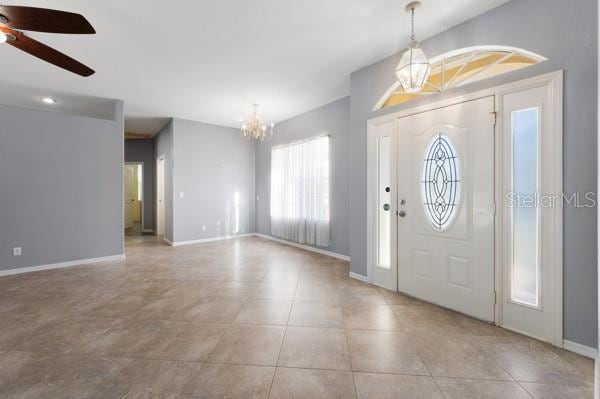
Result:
pixel 553 80
pixel 142 193
pixel 159 159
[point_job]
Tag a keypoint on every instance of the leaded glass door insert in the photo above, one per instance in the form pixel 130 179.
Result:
pixel 440 182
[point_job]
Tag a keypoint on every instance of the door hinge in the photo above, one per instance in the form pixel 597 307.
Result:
pixel 493 116
pixel 494 298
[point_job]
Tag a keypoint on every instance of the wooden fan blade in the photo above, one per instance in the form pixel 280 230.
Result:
pixel 46 53
pixel 45 20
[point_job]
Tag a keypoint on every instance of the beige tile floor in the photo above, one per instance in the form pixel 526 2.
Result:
pixel 249 318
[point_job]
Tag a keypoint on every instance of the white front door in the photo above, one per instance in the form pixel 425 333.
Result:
pixel 445 183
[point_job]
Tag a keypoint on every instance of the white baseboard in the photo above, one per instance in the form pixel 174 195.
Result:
pixel 61 265
pixel 205 240
pixel 580 349
pixel 305 247
pixel 359 277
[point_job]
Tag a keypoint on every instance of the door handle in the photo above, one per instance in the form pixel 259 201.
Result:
pixel 402 214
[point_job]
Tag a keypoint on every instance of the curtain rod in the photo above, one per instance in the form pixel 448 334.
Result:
pixel 301 141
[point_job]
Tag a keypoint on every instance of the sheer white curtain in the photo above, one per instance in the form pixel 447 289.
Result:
pixel 300 191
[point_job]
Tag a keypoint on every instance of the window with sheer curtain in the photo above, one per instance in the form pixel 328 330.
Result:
pixel 300 191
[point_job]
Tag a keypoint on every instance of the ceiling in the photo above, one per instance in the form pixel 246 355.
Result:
pixel 210 61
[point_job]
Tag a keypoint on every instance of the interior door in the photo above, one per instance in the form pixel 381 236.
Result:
pixel 131 195
pixel 446 207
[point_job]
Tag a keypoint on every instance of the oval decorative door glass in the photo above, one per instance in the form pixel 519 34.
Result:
pixel 440 182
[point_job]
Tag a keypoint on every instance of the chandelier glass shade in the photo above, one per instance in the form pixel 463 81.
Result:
pixel 254 129
pixel 413 69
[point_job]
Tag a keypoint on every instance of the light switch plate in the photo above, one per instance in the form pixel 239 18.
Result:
pixel 181 195
pixel 17 251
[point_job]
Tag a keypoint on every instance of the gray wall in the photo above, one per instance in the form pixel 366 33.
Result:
pixel 563 33
pixel 597 379
pixel 211 164
pixel 163 146
pixel 143 151
pixel 333 119
pixel 61 187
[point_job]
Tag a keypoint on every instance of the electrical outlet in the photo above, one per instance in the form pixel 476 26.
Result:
pixel 181 195
pixel 203 228
pixel 17 251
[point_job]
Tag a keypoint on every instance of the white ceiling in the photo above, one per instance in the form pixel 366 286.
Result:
pixel 209 61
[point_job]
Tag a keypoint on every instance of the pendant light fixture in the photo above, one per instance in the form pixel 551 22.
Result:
pixel 414 68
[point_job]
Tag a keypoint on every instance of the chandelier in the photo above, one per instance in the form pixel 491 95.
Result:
pixel 414 68
pixel 254 129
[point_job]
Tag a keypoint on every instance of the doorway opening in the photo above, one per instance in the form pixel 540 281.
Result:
pixel 133 177
pixel 160 197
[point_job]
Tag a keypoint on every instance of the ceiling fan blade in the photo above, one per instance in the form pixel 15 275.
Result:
pixel 46 53
pixel 45 20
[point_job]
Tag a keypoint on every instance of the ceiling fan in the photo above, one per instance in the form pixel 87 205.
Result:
pixel 13 19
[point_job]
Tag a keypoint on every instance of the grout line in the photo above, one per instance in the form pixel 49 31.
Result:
pixel 350 356
pixel 191 380
pixel 208 362
pixel 284 334
pixel 435 381
pixel 425 364
pixel 302 368
pixel 487 352
pixel 525 389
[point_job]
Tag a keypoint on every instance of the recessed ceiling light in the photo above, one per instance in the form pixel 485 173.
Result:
pixel 48 100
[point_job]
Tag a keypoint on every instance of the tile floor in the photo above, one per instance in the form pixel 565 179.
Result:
pixel 249 318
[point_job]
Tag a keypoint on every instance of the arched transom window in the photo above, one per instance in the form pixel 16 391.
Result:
pixel 461 67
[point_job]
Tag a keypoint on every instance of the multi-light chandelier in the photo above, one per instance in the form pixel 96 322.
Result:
pixel 414 68
pixel 254 129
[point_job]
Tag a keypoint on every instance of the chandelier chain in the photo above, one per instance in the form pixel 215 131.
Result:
pixel 412 24
pixel 413 69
